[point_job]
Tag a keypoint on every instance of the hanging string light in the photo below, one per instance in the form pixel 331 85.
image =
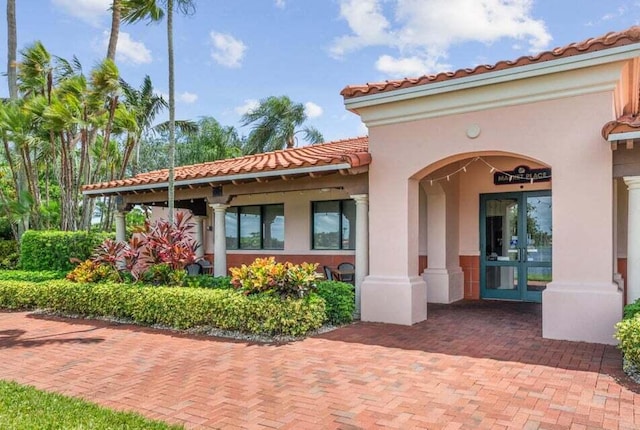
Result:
pixel 491 167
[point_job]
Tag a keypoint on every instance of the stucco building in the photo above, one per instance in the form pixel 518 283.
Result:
pixel 516 181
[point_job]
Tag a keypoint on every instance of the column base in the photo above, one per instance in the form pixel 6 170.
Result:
pixel 394 300
pixel 444 285
pixel 581 312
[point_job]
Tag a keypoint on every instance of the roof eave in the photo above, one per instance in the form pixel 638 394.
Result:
pixel 216 179
pixel 563 64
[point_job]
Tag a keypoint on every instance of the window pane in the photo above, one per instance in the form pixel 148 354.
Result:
pixel 273 227
pixel 349 224
pixel 326 225
pixel 231 228
pixel 250 227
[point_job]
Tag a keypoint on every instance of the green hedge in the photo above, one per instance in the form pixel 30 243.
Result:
pixel 340 301
pixel 180 308
pixel 52 250
pixel 9 254
pixel 35 276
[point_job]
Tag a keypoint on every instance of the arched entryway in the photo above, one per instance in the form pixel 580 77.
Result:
pixel 485 227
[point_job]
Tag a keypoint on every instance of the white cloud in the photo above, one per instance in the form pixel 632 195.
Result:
pixel 280 4
pixel 313 110
pixel 188 97
pixel 129 50
pixel 227 50
pixel 423 31
pixel 248 106
pixel 90 11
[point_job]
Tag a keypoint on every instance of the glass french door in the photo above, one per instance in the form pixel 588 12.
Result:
pixel 515 245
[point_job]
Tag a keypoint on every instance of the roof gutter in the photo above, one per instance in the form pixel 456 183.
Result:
pixel 613 137
pixel 217 179
pixel 573 62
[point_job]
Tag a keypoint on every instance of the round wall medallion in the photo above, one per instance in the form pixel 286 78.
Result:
pixel 473 131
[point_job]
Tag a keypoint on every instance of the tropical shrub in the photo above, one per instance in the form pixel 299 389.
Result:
pixel 9 254
pixel 179 308
pixel 156 255
pixel 91 271
pixel 55 250
pixel 265 275
pixel 340 301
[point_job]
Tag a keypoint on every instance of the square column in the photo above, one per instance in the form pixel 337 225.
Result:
pixel 219 239
pixel 393 292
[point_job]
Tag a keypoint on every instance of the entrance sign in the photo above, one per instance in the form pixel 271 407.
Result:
pixel 522 175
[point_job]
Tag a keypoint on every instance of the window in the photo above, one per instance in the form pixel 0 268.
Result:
pixel 334 224
pixel 255 227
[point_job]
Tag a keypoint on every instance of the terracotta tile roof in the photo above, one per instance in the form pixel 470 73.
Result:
pixel 607 41
pixel 624 124
pixel 353 152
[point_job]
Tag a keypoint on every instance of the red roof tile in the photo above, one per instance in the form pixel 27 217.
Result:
pixel 624 124
pixel 609 40
pixel 353 152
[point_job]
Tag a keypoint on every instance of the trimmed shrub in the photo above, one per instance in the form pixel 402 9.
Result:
pixel 179 308
pixel 207 281
pixel 53 250
pixel 340 301
pixel 34 276
pixel 628 333
pixel 9 254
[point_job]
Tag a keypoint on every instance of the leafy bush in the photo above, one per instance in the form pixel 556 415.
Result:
pixel 265 275
pixel 207 281
pixel 632 309
pixel 54 250
pixel 9 255
pixel 156 255
pixel 89 271
pixel 174 307
pixel 340 301
pixel 33 276
pixel 628 333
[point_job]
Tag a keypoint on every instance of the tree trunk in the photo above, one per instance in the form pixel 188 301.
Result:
pixel 12 51
pixel 172 112
pixel 115 29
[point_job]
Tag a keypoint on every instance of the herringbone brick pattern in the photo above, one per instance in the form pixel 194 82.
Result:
pixel 475 365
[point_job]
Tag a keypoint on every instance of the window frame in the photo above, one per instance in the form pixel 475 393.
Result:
pixel 340 225
pixel 238 212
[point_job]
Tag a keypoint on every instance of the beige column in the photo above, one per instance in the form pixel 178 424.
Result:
pixel 199 234
pixel 121 227
pixel 633 239
pixel 219 240
pixel 362 243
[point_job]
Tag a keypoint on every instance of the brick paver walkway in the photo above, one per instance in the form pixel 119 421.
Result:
pixel 475 365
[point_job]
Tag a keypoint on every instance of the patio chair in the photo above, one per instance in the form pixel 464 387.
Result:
pixel 327 273
pixel 193 269
pixel 347 277
pixel 206 267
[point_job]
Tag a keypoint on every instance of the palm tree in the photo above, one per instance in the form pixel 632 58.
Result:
pixel 12 51
pixel 211 142
pixel 116 11
pixel 276 122
pixel 137 10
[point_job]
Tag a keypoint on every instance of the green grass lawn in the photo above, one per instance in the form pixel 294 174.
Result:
pixel 24 407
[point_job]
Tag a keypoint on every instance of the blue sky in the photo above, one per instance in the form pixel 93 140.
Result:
pixel 232 53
